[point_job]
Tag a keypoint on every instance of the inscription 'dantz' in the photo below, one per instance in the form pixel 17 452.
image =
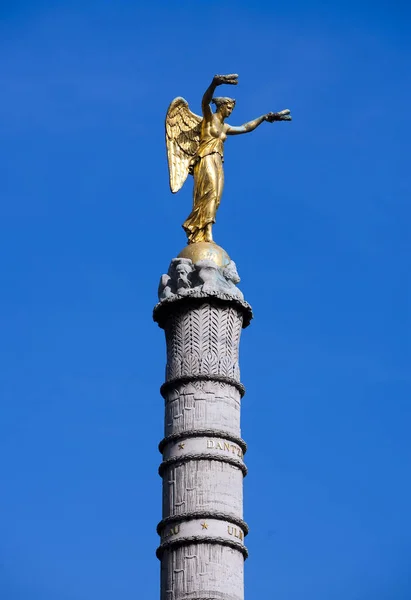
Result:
pixel 225 447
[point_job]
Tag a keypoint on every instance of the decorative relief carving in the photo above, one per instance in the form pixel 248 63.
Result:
pixel 185 279
pixel 202 405
pixel 202 572
pixel 176 460
pixel 202 532
pixel 203 340
pixel 202 485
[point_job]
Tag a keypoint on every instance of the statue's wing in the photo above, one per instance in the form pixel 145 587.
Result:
pixel 182 139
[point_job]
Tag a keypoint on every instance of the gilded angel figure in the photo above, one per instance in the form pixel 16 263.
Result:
pixel 195 145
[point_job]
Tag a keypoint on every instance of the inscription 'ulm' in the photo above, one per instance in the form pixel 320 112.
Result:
pixel 235 532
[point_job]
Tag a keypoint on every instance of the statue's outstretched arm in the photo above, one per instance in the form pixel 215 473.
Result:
pixel 283 115
pixel 246 128
pixel 208 95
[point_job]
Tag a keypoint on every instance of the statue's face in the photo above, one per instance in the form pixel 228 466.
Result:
pixel 227 109
pixel 230 272
pixel 182 273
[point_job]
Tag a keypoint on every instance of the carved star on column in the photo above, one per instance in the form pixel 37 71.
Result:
pixel 181 446
pixel 204 525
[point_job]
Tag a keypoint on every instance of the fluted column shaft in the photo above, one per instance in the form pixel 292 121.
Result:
pixel 202 530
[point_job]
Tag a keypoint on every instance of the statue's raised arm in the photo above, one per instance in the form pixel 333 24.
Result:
pixel 195 145
pixel 209 93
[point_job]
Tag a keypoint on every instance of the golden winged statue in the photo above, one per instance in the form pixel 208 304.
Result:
pixel 195 145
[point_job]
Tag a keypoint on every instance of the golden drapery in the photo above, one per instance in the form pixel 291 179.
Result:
pixel 208 188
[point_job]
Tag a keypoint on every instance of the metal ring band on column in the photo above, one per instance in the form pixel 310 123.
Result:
pixel 174 437
pixel 198 377
pixel 202 514
pixel 170 545
pixel 187 457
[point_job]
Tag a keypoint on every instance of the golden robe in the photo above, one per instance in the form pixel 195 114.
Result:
pixel 207 168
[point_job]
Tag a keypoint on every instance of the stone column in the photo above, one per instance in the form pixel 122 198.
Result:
pixel 202 531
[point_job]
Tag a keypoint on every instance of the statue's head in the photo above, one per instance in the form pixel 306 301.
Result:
pixel 230 272
pixel 183 270
pixel 179 270
pixel 225 106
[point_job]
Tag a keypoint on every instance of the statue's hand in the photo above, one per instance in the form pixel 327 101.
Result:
pixel 283 115
pixel 226 79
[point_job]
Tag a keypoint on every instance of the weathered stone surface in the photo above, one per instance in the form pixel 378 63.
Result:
pixel 202 532
pixel 202 572
pixel 203 485
pixel 204 276
pixel 202 405
pixel 203 340
pixel 202 280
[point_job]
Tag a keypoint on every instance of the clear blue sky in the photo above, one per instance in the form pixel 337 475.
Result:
pixel 315 213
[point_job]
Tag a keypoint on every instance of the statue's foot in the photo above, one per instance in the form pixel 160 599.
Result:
pixel 208 233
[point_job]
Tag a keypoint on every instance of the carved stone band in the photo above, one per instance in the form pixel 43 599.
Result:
pixel 235 462
pixel 172 383
pixel 203 528
pixel 198 445
pixel 211 433
pixel 197 539
pixel 165 307
pixel 204 515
